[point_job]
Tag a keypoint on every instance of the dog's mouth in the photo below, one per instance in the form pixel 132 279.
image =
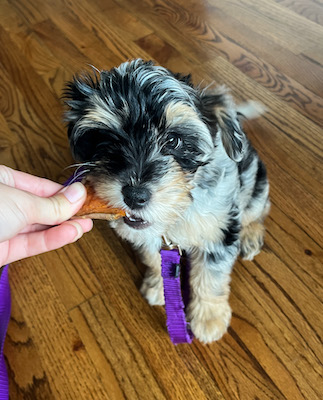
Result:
pixel 135 222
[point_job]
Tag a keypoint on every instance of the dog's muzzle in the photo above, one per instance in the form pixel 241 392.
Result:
pixel 136 197
pixel 135 222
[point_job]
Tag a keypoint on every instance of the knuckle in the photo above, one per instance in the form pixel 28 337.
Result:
pixel 21 214
pixel 21 207
pixel 56 209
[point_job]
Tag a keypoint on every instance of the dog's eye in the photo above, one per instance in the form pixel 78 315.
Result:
pixel 174 142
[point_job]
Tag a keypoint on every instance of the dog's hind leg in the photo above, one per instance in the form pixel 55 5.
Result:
pixel 252 223
pixel 252 239
pixel 152 286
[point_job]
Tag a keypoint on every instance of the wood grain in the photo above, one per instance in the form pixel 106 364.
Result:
pixel 79 327
pixel 310 9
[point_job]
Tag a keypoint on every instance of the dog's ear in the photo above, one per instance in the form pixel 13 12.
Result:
pixel 77 95
pixel 187 79
pixel 220 113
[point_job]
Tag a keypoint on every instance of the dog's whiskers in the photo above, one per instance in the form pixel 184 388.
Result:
pixel 95 68
pixel 79 174
pixel 84 164
pixel 205 88
pixel 81 170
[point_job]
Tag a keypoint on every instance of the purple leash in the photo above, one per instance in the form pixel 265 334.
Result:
pixel 5 308
pixel 177 325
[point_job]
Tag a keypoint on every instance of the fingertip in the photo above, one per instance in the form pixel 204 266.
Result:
pixel 86 223
pixel 78 230
pixel 81 225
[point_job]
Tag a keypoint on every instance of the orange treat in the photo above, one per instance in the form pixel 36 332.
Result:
pixel 96 208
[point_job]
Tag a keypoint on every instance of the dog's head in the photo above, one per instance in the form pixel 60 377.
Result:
pixel 144 133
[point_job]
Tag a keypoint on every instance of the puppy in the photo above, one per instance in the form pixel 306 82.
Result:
pixel 176 159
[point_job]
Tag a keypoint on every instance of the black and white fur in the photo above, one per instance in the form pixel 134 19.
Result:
pixel 177 160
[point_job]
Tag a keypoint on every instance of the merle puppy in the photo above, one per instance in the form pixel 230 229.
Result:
pixel 177 160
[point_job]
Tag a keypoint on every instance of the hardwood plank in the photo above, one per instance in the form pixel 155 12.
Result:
pixel 282 27
pixel 37 54
pixel 283 114
pixel 102 363
pixel 279 69
pixel 71 274
pixel 297 251
pixel 160 18
pixel 84 39
pixel 282 339
pixel 111 336
pixel 314 53
pixel 123 22
pixel 232 355
pixel 164 52
pixel 11 20
pixel 59 45
pixel 29 12
pixel 41 59
pixel 69 370
pixel 39 96
pixel 29 382
pixel 44 157
pixel 309 9
pixel 7 137
pixel 122 48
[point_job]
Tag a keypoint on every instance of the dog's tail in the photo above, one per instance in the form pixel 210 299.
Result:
pixel 251 109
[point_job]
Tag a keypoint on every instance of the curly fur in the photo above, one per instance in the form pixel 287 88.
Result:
pixel 175 157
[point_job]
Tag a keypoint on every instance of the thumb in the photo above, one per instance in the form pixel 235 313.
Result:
pixel 60 207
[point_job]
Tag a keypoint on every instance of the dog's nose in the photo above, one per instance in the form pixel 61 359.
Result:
pixel 135 196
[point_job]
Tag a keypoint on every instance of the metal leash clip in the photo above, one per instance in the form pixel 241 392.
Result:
pixel 168 245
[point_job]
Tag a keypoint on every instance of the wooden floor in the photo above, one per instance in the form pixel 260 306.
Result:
pixel 79 327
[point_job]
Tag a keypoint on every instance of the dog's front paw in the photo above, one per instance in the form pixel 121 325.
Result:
pixel 153 291
pixel 208 327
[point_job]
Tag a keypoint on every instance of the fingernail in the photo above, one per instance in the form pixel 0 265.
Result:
pixel 79 233
pixel 74 192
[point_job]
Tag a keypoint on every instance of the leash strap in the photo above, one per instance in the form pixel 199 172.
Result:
pixel 177 326
pixel 5 309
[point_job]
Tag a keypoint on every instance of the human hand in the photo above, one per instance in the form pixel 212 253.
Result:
pixel 34 214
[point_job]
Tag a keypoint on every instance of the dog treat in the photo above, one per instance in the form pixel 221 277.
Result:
pixel 96 208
